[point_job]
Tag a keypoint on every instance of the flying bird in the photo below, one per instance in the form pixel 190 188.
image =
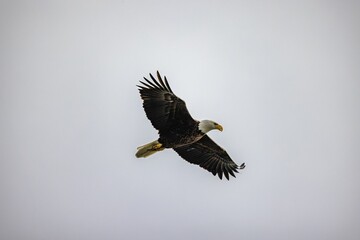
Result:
pixel 179 131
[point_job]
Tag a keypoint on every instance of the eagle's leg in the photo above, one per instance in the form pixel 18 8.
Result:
pixel 148 149
pixel 157 147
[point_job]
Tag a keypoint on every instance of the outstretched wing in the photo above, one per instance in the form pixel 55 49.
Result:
pixel 210 156
pixel 162 107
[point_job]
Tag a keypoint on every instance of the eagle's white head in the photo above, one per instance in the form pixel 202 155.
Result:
pixel 208 125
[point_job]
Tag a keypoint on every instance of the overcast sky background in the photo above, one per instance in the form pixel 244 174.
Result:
pixel 282 77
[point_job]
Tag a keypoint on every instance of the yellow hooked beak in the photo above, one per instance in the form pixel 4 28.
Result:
pixel 219 127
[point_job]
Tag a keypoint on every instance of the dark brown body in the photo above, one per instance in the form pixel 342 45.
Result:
pixel 178 136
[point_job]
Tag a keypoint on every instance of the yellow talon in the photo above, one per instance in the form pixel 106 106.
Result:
pixel 157 146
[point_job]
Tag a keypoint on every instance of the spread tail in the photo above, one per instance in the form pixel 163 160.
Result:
pixel 148 149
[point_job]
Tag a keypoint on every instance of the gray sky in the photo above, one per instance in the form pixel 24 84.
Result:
pixel 282 77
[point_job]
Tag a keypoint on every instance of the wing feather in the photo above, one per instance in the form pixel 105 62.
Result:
pixel 162 107
pixel 210 156
pixel 167 84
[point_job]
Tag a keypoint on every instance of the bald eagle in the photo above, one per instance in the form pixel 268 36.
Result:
pixel 179 131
